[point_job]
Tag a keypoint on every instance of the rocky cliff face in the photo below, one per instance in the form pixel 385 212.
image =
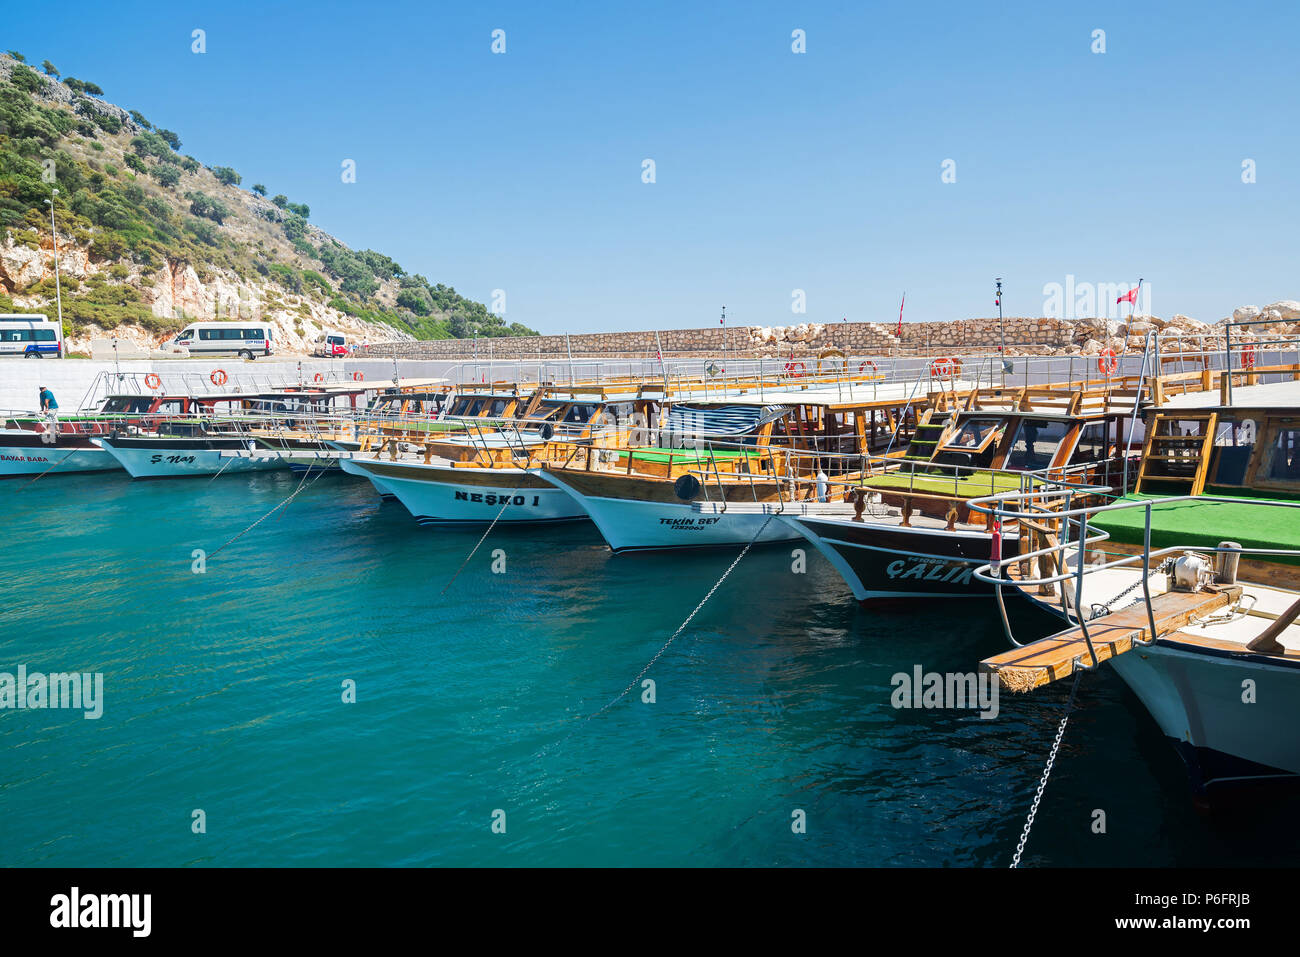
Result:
pixel 175 291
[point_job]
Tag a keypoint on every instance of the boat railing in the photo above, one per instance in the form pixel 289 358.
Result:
pixel 1068 519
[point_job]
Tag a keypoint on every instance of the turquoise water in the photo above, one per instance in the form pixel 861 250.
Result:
pixel 223 693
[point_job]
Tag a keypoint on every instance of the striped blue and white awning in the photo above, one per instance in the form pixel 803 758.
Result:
pixel 731 420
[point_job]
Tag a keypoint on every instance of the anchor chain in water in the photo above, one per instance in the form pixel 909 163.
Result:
pixel 284 504
pixel 475 549
pixel 682 627
pixel 1047 773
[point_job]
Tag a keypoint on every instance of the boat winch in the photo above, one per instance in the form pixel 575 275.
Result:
pixel 1191 572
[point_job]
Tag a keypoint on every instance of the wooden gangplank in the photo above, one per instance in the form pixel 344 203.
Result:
pixel 1054 657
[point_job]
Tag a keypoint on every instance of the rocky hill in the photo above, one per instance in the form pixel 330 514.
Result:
pixel 149 238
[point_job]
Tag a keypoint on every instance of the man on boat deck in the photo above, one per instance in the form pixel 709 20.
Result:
pixel 50 406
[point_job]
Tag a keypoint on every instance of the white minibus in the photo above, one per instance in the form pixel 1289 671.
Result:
pixel 248 340
pixel 31 336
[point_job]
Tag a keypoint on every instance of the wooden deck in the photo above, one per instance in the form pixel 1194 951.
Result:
pixel 1054 658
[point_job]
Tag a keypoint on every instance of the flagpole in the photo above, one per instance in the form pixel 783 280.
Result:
pixel 723 322
pixel 899 334
pixel 1002 335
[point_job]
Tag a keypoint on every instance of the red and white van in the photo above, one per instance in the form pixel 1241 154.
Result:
pixel 331 345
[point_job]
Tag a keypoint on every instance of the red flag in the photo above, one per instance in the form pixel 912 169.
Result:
pixel 1130 296
pixel 900 316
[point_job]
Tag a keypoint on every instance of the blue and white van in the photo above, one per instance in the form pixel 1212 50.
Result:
pixel 31 336
pixel 247 340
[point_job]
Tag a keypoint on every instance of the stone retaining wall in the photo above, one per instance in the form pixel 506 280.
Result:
pixel 861 338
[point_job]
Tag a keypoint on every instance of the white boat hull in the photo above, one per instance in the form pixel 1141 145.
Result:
pixel 18 460
pixel 630 525
pixel 1198 698
pixel 148 462
pixel 442 495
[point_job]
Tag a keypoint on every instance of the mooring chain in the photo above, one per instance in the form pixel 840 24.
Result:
pixel 1047 772
pixel 292 496
pixel 475 549
pixel 51 468
pixel 1107 609
pixel 682 627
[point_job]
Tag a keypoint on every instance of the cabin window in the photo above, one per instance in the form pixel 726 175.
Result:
pixel 206 333
pixel 1234 446
pixel 253 334
pixel 1036 443
pixel 1093 444
pixel 972 435
pixel 1284 462
pixel 498 407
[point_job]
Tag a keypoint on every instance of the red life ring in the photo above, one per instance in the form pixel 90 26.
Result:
pixel 1248 356
pixel 1107 362
pixel 219 377
pixel 945 368
pixel 152 381
pixel 318 378
pixel 358 376
pixel 791 366
pixel 867 362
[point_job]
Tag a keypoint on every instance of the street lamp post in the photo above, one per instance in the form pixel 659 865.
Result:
pixel 58 290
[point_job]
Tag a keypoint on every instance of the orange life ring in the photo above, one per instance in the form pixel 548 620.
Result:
pixel 152 381
pixel 862 366
pixel 1248 356
pixel 219 377
pixel 358 376
pixel 1107 362
pixel 945 368
pixel 318 377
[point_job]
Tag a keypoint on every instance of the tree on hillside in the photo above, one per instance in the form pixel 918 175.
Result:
pixel 227 176
pixel 140 120
pixel 73 84
pixel 280 200
pixel 93 89
pixel 49 69
pixel 18 56
pixel 259 189
pixel 207 206
pixel 172 139
pixel 300 209
pixel 295 227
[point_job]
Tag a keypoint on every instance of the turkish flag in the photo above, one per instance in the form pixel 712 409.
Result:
pixel 1130 296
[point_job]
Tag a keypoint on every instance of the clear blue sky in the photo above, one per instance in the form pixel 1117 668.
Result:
pixel 775 171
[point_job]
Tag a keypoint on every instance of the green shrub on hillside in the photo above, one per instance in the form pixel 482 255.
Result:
pixel 226 176
pixel 166 174
pixel 26 79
